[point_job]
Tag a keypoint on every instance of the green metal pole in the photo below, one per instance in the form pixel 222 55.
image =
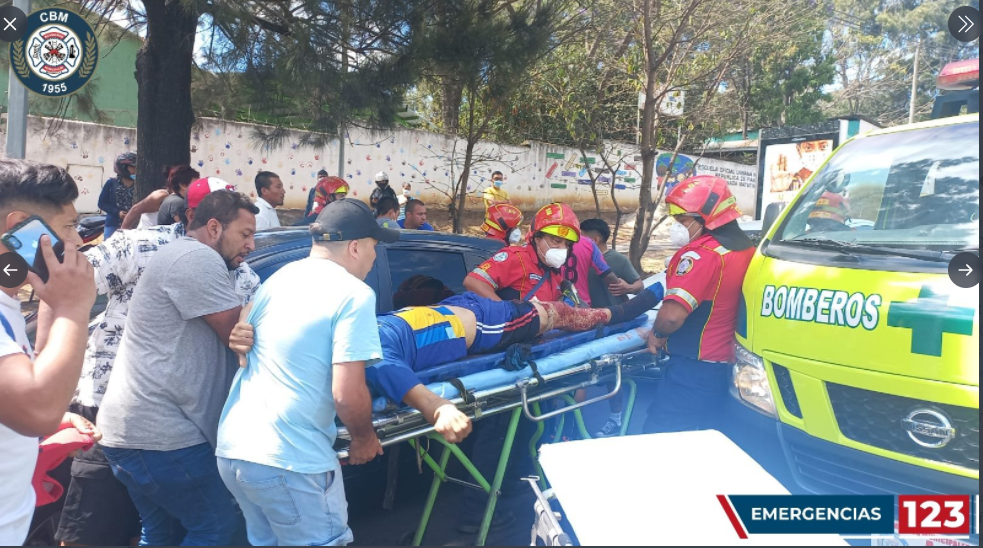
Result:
pixel 630 408
pixel 578 417
pixel 496 487
pixel 438 479
pixel 465 462
pixel 533 446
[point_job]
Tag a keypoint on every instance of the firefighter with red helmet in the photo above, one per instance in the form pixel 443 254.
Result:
pixel 700 306
pixel 502 223
pixel 830 214
pixel 522 273
pixel 329 189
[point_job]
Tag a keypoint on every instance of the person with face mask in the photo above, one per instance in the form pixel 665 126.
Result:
pixel 382 190
pixel 116 197
pixel 696 324
pixel 495 194
pixel 812 155
pixel 502 224
pixel 532 271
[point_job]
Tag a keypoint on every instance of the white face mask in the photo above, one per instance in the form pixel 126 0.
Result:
pixel 555 258
pixel 679 235
pixel 812 161
pixel 515 237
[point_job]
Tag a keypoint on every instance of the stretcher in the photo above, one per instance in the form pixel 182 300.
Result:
pixel 558 367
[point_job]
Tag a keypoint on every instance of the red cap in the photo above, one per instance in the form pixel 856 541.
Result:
pixel 203 187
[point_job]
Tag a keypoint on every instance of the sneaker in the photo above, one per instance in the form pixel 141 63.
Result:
pixel 570 295
pixel 610 429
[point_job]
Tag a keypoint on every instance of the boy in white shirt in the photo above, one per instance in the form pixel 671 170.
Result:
pixel 34 393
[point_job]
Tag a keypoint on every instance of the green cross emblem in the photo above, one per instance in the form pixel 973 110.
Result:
pixel 929 317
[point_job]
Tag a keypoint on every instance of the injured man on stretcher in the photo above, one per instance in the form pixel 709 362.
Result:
pixel 419 338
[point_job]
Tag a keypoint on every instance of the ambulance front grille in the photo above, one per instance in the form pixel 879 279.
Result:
pixel 877 420
pixel 787 390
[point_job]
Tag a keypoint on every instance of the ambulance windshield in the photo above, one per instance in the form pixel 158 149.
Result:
pixel 913 190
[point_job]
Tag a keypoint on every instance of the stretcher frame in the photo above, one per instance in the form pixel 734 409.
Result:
pixel 522 398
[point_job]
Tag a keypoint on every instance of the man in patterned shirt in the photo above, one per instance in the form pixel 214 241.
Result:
pixel 98 510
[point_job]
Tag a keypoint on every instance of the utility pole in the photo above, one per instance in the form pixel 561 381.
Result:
pixel 17 106
pixel 914 82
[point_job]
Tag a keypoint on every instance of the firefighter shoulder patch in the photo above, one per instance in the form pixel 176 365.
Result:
pixel 500 257
pixel 684 267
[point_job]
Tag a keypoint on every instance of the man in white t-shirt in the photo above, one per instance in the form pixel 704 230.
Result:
pixel 34 393
pixel 269 196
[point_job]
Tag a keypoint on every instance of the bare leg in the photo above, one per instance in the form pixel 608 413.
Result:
pixel 564 317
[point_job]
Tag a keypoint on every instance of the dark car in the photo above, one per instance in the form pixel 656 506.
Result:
pixel 403 271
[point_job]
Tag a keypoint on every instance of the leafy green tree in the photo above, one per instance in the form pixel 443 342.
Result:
pixel 478 54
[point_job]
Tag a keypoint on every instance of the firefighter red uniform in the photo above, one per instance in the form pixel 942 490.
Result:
pixel 704 278
pixel 516 273
pixel 520 272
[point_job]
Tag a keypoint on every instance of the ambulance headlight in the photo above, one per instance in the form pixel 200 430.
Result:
pixel 751 383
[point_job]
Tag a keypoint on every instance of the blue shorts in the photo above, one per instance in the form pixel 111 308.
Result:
pixel 500 323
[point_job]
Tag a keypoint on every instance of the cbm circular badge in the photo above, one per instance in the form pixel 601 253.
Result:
pixel 58 54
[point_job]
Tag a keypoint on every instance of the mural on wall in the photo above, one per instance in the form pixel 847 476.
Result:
pixel 535 175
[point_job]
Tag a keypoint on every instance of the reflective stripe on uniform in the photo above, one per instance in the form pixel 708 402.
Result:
pixel 486 277
pixel 722 250
pixel 684 295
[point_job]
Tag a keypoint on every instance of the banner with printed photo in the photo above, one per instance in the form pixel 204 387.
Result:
pixel 788 166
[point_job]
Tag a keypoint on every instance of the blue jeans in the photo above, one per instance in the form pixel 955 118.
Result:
pixel 285 508
pixel 179 494
pixel 108 231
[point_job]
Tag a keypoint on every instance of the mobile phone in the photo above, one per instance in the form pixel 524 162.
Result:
pixel 25 240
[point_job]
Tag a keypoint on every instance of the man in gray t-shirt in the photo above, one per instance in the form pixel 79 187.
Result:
pixel 172 376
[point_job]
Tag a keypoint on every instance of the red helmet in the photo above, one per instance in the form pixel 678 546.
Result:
pixel 334 185
pixel 500 219
pixel 558 220
pixel 705 196
pixel 832 207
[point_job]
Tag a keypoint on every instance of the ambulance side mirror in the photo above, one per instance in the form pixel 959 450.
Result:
pixel 771 215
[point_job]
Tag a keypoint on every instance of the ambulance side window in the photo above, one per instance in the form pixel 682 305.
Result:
pixel 423 278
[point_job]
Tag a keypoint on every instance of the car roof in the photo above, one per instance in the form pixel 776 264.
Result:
pixel 276 241
pixel 941 122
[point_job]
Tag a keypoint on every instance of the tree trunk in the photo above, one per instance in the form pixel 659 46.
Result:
pixel 457 212
pixel 163 72
pixel 452 90
pixel 638 244
pixel 593 183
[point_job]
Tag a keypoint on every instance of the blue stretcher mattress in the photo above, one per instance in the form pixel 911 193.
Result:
pixel 554 354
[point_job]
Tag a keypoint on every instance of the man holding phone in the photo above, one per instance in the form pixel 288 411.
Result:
pixel 35 392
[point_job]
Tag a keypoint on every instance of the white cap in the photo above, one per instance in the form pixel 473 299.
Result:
pixel 381 176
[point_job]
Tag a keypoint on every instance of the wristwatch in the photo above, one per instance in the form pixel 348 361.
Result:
pixel 658 335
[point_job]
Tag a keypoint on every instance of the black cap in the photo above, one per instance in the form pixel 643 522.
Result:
pixel 347 220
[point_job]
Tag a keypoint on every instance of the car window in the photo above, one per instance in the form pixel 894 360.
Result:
pixel 445 273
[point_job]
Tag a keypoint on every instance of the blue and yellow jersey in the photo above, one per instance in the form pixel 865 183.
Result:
pixel 414 339
pixel 438 335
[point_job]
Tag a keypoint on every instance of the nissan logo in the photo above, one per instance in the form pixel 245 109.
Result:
pixel 929 428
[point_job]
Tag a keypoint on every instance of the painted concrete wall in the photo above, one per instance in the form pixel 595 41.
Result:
pixel 535 175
